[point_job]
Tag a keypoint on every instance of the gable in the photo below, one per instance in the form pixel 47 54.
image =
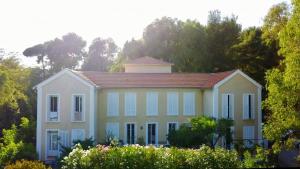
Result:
pixel 238 78
pixel 66 73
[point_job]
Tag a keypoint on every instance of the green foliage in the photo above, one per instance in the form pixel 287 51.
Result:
pixel 24 164
pixel 100 55
pixel 283 85
pixel 260 159
pixel 138 157
pixel 201 131
pixel 13 148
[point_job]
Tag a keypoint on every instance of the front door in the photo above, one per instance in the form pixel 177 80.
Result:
pixel 52 143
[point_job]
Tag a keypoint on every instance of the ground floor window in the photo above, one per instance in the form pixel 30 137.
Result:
pixel 152 133
pixel 52 142
pixel 130 133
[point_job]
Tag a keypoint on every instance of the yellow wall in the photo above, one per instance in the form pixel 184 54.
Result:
pixel 140 119
pixel 147 68
pixel 238 85
pixel 65 86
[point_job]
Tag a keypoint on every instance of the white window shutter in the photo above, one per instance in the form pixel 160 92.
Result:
pixel 77 134
pixel 248 135
pixel 252 106
pixel 224 105
pixel 130 104
pixel 112 104
pixel 152 103
pixel 172 101
pixel 112 129
pixel 245 106
pixel 189 103
pixel 231 106
pixel 64 138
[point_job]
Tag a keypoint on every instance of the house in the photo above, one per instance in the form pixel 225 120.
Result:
pixel 146 101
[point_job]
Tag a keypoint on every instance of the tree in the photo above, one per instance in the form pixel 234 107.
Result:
pixel 58 54
pixel 100 55
pixel 222 33
pixel 13 86
pixel 283 86
pixel 40 52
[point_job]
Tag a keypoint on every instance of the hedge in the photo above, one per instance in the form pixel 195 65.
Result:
pixel 150 157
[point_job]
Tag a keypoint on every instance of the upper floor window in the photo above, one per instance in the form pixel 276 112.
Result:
pixel 77 108
pixel 152 104
pixel 172 101
pixel 227 106
pixel 130 104
pixel 248 106
pixel 112 104
pixel 53 104
pixel 189 103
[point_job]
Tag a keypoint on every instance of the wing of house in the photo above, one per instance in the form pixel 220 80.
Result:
pixel 146 101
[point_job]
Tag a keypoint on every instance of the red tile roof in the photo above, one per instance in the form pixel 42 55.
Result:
pixel 148 60
pixel 129 80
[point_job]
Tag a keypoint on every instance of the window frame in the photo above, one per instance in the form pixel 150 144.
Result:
pixel 184 104
pixel 169 113
pixel 224 115
pixel 127 101
pixel 125 132
pixel 252 100
pixel 156 132
pixel 108 114
pixel 83 107
pixel 55 152
pixel 155 112
pixel 48 107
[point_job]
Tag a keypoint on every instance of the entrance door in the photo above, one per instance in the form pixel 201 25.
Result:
pixel 130 133
pixel 152 135
pixel 52 143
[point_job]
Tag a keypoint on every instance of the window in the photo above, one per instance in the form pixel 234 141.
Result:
pixel 112 104
pixel 64 138
pixel 130 133
pixel 77 108
pixel 112 130
pixel 172 101
pixel 248 136
pixel 152 104
pixel 151 133
pixel 130 104
pixel 227 106
pixel 52 143
pixel 53 108
pixel 248 106
pixel 189 103
pixel 77 134
pixel 172 126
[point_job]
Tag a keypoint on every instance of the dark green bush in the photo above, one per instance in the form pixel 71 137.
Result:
pixel 140 157
pixel 24 164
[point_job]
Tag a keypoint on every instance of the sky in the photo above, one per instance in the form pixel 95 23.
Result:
pixel 24 23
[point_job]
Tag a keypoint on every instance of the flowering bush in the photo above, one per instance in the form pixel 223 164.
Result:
pixel 24 164
pixel 149 157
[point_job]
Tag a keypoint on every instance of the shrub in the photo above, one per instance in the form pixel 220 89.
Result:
pixel 140 157
pixel 11 149
pixel 24 164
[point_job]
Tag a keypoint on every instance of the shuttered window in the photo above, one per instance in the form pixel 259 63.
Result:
pixel 152 104
pixel 189 103
pixel 77 108
pixel 130 104
pixel 227 106
pixel 112 131
pixel 53 110
pixel 112 104
pixel 248 136
pixel 172 101
pixel 77 134
pixel 248 106
pixel 64 138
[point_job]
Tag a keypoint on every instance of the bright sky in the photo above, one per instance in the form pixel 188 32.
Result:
pixel 24 23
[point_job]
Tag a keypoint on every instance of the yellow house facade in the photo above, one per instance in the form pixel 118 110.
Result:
pixel 143 103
